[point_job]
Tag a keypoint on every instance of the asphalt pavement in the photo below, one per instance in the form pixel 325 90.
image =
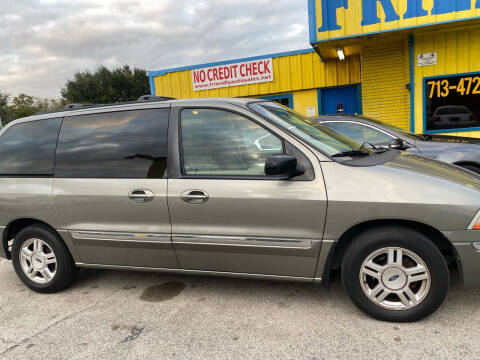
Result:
pixel 134 315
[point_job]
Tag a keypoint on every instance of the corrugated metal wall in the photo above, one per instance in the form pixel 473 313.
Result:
pixel 458 51
pixel 291 73
pixel 305 99
pixel 385 73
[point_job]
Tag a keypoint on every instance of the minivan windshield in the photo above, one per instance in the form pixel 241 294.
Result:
pixel 325 140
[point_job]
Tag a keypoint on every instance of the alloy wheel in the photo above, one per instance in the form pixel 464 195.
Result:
pixel 38 261
pixel 395 278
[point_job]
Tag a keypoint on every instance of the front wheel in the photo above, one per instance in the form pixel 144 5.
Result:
pixel 395 274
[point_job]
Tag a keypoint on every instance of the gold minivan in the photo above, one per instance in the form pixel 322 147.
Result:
pixel 233 187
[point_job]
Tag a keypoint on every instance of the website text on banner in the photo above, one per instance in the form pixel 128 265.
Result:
pixel 249 72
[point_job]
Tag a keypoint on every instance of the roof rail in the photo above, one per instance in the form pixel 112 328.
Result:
pixel 145 98
pixel 80 106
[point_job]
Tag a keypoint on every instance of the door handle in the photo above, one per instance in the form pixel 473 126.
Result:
pixel 194 196
pixel 141 196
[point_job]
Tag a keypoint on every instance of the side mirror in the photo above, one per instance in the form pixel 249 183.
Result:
pixel 286 165
pixel 397 144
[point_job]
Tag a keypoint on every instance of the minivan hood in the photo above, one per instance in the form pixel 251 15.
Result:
pixel 422 166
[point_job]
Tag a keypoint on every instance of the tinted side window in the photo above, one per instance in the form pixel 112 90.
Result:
pixel 29 148
pixel 217 142
pixel 126 144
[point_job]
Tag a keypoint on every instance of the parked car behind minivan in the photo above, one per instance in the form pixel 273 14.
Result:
pixel 233 187
pixel 461 151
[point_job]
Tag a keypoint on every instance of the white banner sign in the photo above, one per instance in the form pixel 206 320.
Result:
pixel 249 72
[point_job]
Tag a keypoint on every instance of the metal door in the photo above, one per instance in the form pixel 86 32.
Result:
pixel 340 100
pixel 110 187
pixel 241 223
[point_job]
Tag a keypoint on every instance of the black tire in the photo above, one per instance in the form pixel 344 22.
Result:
pixel 375 239
pixel 65 266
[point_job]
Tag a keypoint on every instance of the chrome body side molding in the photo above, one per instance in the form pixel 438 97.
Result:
pixel 242 241
pixel 121 236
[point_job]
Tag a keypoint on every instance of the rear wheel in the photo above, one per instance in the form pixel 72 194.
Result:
pixel 395 274
pixel 41 260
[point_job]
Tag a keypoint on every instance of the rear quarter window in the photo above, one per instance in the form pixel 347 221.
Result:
pixel 28 149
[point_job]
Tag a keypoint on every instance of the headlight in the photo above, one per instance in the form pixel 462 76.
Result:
pixel 475 224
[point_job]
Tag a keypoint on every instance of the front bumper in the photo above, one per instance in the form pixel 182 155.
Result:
pixel 468 257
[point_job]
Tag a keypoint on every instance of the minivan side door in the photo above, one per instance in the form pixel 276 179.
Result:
pixel 110 187
pixel 227 215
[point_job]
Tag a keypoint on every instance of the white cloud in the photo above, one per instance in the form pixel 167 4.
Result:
pixel 42 43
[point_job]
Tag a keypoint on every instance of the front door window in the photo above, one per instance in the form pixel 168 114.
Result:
pixel 218 142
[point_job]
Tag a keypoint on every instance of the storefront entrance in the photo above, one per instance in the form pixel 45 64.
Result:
pixel 340 100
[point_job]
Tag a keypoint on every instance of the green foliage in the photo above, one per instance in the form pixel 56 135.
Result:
pixel 106 86
pixel 25 105
pixel 4 110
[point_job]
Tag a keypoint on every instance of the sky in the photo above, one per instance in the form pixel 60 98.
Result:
pixel 44 42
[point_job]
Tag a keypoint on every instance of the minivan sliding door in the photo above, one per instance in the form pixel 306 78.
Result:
pixel 110 187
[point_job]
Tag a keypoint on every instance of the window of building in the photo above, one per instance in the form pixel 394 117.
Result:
pixel 285 100
pixel 452 102
pixel 360 133
pixel 217 142
pixel 28 148
pixel 127 144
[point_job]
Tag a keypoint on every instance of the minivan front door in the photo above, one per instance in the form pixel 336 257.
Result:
pixel 227 215
pixel 110 187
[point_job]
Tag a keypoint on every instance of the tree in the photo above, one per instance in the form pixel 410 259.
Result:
pixel 5 114
pixel 26 105
pixel 106 86
pixel 22 105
